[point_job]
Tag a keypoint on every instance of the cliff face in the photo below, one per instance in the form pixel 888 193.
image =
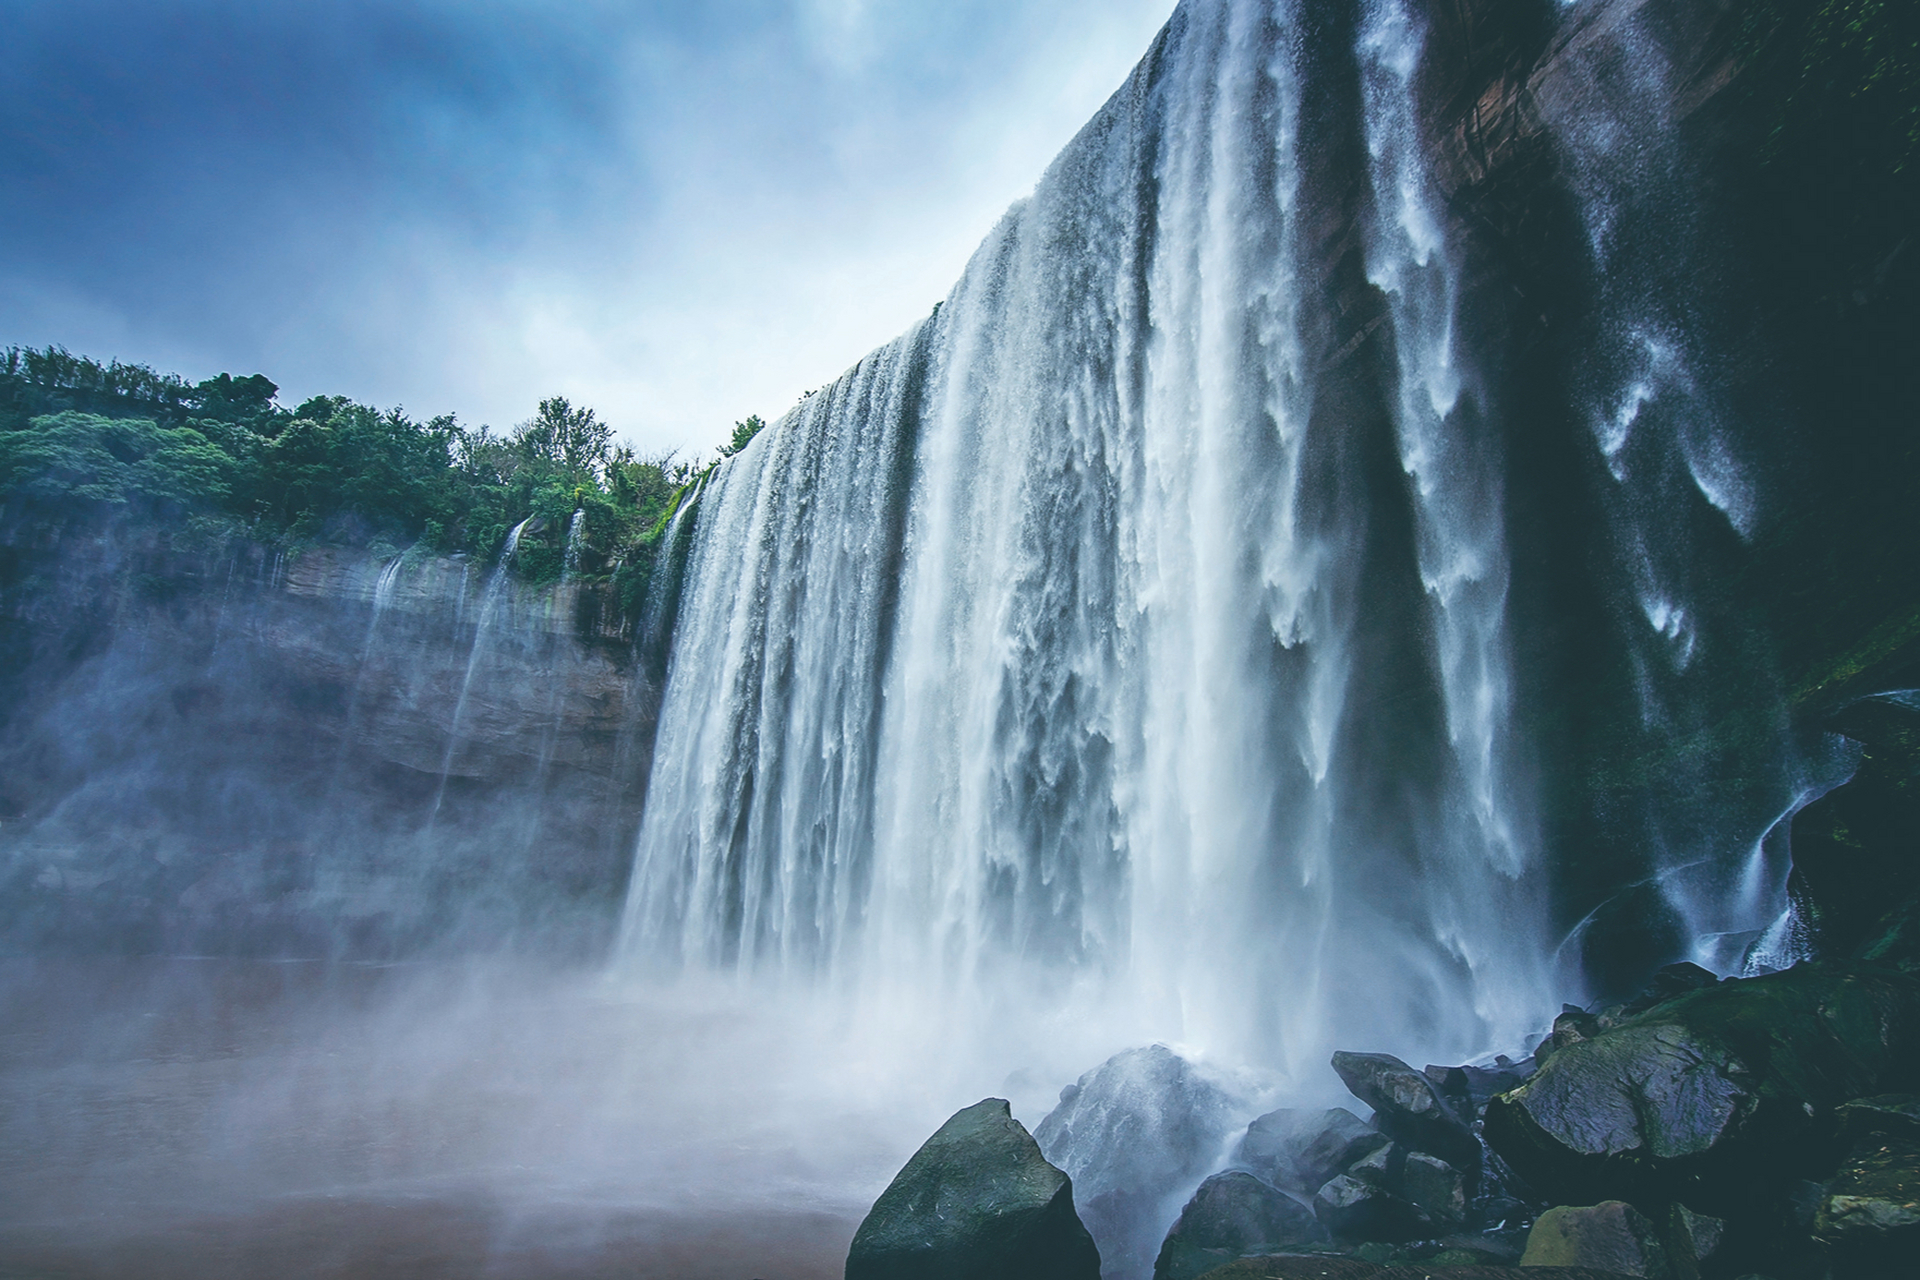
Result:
pixel 316 752
pixel 1686 248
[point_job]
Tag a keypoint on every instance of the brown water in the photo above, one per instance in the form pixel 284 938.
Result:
pixel 235 1119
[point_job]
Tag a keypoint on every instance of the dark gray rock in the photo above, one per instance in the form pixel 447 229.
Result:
pixel 1435 1186
pixel 1300 1150
pixel 1669 983
pixel 1407 1107
pixel 1890 1113
pixel 1572 1026
pixel 1352 1209
pixel 1379 1168
pixel 1692 1239
pixel 1610 1236
pixel 1870 1212
pixel 1722 1097
pixel 1231 1215
pixel 1137 1134
pixel 976 1202
pixel 1469 1089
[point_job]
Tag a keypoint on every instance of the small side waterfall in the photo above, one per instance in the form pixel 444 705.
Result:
pixel 1135 635
pixel 491 601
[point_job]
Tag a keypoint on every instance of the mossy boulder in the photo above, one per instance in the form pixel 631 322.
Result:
pixel 1610 1236
pixel 1721 1098
pixel 976 1202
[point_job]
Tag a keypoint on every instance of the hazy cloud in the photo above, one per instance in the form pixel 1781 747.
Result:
pixel 680 213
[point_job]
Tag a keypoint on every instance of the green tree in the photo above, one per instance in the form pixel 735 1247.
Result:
pixel 572 440
pixel 74 456
pixel 743 432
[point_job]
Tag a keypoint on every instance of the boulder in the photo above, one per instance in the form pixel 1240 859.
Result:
pixel 1231 1215
pixel 1669 983
pixel 1611 1236
pixel 1436 1187
pixel 1890 1113
pixel 1407 1107
pixel 1572 1026
pixel 976 1202
pixel 1870 1211
pixel 1300 1150
pixel 1352 1209
pixel 1692 1238
pixel 1469 1089
pixel 1856 850
pixel 1379 1168
pixel 1723 1097
pixel 1137 1134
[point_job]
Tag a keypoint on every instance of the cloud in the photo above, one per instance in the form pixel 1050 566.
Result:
pixel 680 213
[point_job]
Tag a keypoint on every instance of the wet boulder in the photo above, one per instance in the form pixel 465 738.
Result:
pixel 1890 1113
pixel 1302 1149
pixel 1669 983
pixel 1469 1089
pixel 1233 1214
pixel 1869 1213
pixel 1692 1239
pixel 1355 1208
pixel 1407 1107
pixel 1722 1098
pixel 1856 850
pixel 1610 1236
pixel 1137 1134
pixel 976 1202
pixel 1435 1186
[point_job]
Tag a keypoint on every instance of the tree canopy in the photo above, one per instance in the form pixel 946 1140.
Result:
pixel 82 439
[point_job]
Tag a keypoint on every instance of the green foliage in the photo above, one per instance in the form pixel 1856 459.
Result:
pixel 78 438
pixel 73 456
pixel 744 432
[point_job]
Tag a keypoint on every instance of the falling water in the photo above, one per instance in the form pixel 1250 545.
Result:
pixel 1678 473
pixel 1036 658
pixel 1451 457
pixel 576 539
pixel 490 602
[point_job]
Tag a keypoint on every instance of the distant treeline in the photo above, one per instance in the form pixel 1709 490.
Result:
pixel 221 458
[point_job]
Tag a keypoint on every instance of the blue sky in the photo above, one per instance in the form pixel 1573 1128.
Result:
pixel 678 213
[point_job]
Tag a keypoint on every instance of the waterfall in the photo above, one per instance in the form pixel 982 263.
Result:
pixel 576 539
pixel 1451 457
pixel 491 600
pixel 1134 636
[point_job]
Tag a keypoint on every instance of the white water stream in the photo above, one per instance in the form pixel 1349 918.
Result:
pixel 1028 668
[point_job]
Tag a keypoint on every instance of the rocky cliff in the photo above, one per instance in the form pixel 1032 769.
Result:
pixel 318 750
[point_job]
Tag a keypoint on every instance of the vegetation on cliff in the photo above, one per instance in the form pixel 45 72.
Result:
pixel 221 459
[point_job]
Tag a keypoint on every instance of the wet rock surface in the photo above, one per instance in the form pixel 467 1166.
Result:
pixel 1301 1150
pixel 976 1202
pixel 1714 1097
pixel 1233 1214
pixel 1612 1236
pixel 1407 1106
pixel 1870 1210
pixel 1137 1134
pixel 317 752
